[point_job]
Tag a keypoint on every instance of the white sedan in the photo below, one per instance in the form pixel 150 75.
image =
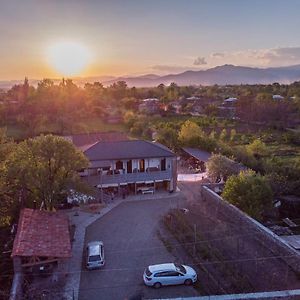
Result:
pixel 169 274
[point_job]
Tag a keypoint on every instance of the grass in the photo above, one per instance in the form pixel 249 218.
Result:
pixel 14 131
pixel 98 125
pixel 82 126
pixel 166 243
pixel 180 228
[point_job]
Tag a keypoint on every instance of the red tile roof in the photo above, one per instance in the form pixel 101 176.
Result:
pixel 43 234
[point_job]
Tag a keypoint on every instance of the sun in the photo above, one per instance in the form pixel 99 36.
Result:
pixel 68 58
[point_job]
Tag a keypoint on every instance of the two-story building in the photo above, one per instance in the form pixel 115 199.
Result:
pixel 138 165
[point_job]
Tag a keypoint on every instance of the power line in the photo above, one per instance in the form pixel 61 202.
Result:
pixel 192 264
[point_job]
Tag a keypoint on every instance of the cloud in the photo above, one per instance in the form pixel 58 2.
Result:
pixel 280 56
pixel 217 55
pixel 200 61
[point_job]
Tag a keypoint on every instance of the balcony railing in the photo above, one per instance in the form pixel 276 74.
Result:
pixel 129 178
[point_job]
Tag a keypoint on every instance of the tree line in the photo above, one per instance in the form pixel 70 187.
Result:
pixel 37 108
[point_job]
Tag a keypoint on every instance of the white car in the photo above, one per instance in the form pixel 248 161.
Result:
pixel 95 255
pixel 169 274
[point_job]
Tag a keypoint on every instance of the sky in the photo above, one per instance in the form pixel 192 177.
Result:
pixel 133 37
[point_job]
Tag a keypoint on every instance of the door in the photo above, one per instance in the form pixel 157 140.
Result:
pixel 163 164
pixel 169 278
pixel 129 166
pixel 175 277
pixel 119 165
pixel 142 165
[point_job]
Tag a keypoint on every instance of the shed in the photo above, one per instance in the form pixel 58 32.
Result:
pixel 42 237
pixel 198 154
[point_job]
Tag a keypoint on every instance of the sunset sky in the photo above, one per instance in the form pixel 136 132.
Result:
pixel 121 37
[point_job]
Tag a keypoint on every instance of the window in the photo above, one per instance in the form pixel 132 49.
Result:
pixel 162 274
pixel 174 273
pixel 148 273
pixel 94 258
pixel 181 268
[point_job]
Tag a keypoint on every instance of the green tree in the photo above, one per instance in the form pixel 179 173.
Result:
pixel 250 192
pixel 232 135
pixel 7 203
pixel 220 166
pixel 168 136
pixel 257 148
pixel 223 135
pixel 44 168
pixel 190 133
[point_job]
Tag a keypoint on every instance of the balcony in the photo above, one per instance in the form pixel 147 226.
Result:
pixel 129 178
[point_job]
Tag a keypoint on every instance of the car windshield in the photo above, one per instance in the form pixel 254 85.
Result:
pixel 147 271
pixel 94 258
pixel 180 268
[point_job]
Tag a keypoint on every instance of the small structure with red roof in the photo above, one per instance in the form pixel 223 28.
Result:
pixel 42 237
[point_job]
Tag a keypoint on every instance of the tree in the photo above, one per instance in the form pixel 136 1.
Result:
pixel 220 166
pixel 250 192
pixel 190 133
pixel 6 199
pixel 223 135
pixel 168 136
pixel 43 168
pixel 257 148
pixel 232 135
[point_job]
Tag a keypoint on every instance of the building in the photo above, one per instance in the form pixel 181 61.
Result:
pixel 42 237
pixel 228 108
pixel 134 165
pixel 42 245
pixel 150 105
pixel 86 140
pixel 277 97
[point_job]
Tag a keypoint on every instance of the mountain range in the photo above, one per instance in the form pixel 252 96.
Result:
pixel 221 75
pixel 226 74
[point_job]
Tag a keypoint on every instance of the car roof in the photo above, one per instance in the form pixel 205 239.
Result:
pixel 94 243
pixel 162 267
pixel 94 248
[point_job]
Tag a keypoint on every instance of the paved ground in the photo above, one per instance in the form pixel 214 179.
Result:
pixel 129 233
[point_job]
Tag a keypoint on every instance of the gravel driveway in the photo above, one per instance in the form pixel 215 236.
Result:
pixel 131 243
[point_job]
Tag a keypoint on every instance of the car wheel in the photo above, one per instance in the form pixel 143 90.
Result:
pixel 157 285
pixel 188 282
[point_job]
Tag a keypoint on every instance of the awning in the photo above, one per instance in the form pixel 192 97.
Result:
pixel 149 181
pixel 198 154
pixel 106 185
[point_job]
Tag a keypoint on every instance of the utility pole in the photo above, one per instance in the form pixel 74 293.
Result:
pixel 195 238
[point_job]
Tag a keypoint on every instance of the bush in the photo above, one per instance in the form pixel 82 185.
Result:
pixel 250 192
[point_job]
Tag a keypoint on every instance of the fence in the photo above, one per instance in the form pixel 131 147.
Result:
pixel 262 235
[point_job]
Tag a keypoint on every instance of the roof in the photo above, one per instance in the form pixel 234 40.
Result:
pixel 230 100
pixel 83 141
pixel 42 233
pixel 130 149
pixel 277 97
pixel 162 267
pixel 293 240
pixel 198 154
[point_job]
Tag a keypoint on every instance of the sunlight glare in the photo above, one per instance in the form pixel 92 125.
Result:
pixel 68 58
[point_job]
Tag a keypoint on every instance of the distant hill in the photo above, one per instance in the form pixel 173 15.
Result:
pixel 226 74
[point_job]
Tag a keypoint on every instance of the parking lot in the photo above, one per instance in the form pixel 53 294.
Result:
pixel 131 243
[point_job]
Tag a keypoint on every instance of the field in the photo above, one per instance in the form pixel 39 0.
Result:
pixel 90 125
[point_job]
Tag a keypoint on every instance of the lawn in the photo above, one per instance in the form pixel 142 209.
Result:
pixel 82 126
